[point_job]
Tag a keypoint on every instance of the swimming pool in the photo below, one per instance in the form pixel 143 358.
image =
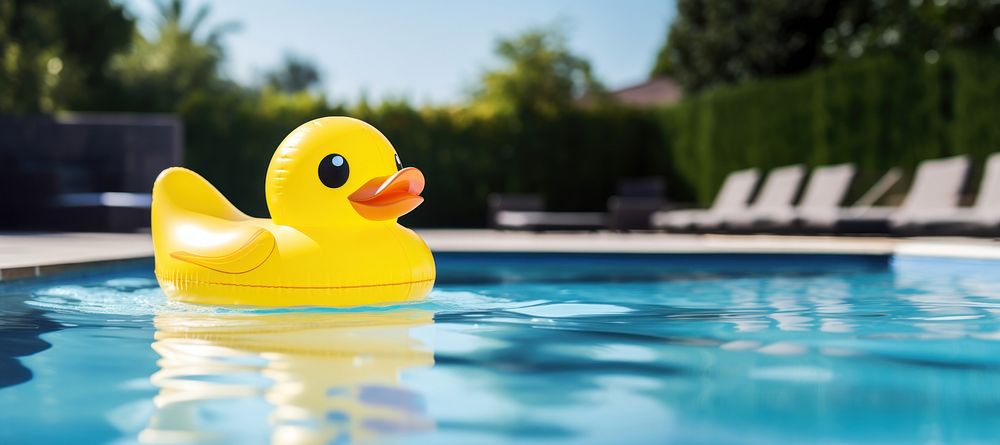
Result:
pixel 512 348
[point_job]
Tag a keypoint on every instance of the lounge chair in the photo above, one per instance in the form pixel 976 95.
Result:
pixel 779 191
pixel 823 194
pixel 982 219
pixel 824 220
pixel 731 199
pixel 935 191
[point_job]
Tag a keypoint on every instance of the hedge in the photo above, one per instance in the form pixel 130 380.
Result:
pixel 574 159
pixel 878 112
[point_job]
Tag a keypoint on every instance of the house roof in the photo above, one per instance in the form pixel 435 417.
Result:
pixel 653 92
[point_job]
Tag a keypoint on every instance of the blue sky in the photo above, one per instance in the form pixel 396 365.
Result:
pixel 427 51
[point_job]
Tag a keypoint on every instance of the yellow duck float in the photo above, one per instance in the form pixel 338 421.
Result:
pixel 334 188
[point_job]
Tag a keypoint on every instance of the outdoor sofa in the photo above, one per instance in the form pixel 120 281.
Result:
pixel 629 209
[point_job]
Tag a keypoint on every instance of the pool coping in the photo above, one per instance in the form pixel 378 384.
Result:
pixel 29 255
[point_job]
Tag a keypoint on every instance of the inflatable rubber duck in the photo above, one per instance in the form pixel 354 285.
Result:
pixel 335 187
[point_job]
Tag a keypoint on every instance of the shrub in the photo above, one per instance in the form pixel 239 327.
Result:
pixel 877 112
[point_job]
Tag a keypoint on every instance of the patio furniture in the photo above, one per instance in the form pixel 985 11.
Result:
pixel 85 172
pixel 779 191
pixel 823 193
pixel 103 211
pixel 731 199
pixel 637 198
pixel 525 212
pixel 508 203
pixel 982 219
pixel 935 191
pixel 823 221
pixel 636 201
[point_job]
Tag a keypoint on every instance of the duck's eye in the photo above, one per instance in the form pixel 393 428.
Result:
pixel 333 171
pixel 399 164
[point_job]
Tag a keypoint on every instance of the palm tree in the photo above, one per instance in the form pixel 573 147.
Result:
pixel 172 21
pixel 159 71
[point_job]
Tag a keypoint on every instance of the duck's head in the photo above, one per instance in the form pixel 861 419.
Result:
pixel 339 171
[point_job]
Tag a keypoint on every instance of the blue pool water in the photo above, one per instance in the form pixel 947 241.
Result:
pixel 523 349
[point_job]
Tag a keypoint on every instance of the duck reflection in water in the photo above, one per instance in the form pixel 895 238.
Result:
pixel 298 377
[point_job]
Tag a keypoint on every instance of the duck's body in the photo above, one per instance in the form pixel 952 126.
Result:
pixel 208 252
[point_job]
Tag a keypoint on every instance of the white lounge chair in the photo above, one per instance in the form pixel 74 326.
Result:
pixel 982 219
pixel 936 190
pixel 818 220
pixel 776 196
pixel 823 194
pixel 731 199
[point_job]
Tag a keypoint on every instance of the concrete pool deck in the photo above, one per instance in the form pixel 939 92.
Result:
pixel 26 255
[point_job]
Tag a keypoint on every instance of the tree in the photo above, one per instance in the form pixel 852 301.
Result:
pixel 662 66
pixel 713 42
pixel 295 74
pixel 538 74
pixel 718 42
pixel 55 54
pixel 913 27
pixel 157 73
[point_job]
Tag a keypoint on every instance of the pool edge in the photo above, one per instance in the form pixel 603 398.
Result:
pixel 129 250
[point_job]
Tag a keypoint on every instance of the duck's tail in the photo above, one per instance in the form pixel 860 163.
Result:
pixel 179 190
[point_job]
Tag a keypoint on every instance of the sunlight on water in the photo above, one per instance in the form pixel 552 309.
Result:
pixel 138 297
pixel 527 350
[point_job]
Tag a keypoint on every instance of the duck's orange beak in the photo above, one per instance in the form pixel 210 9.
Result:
pixel 389 197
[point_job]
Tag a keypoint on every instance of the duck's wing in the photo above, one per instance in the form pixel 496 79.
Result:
pixel 193 222
pixel 232 257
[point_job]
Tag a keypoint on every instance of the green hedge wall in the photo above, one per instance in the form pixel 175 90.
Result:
pixel 878 112
pixel 573 159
